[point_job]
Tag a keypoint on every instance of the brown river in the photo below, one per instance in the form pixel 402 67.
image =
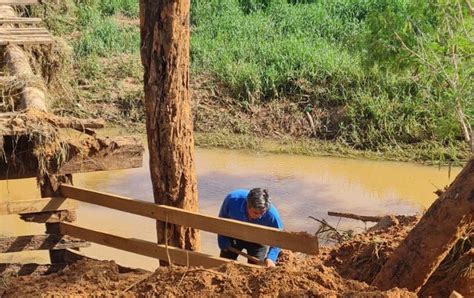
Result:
pixel 300 186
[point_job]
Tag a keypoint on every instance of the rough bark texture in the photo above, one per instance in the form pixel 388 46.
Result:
pixel 164 26
pixel 448 219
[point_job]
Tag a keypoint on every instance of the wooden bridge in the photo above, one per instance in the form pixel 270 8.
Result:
pixel 31 145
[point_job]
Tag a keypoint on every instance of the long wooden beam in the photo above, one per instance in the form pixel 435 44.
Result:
pixel 301 242
pixel 40 205
pixel 146 248
pixel 40 242
pixel 19 20
pixel 18 2
pixel 26 40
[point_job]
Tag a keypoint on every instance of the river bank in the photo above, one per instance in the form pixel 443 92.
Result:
pixel 255 73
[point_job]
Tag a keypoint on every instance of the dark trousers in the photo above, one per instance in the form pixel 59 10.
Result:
pixel 254 249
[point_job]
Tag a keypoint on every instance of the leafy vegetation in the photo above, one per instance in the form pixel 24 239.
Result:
pixel 400 70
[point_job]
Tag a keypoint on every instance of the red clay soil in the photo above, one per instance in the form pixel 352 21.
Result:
pixel 337 272
pixel 362 257
pixel 102 278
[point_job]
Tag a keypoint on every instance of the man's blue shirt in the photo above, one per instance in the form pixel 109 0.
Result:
pixel 235 207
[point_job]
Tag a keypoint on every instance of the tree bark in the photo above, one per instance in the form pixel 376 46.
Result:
pixel 164 29
pixel 447 220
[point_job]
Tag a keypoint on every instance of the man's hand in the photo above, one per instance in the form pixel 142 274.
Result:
pixel 269 263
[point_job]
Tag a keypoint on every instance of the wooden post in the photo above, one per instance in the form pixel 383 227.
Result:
pixel 50 188
pixel 165 33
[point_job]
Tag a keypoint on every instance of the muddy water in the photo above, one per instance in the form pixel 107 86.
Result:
pixel 300 187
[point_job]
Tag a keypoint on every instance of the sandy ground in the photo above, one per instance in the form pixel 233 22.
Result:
pixel 344 270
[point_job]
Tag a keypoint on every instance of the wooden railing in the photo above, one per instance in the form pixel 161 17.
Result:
pixel 301 242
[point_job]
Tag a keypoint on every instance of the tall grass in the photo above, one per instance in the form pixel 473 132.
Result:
pixel 332 53
pixel 323 54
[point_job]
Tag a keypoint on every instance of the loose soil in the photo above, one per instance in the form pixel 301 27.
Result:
pixel 346 269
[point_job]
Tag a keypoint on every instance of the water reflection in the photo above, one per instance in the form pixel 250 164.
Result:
pixel 300 186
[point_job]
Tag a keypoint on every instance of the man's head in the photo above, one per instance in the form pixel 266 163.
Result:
pixel 258 202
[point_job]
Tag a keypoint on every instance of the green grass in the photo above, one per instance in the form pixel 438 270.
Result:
pixel 319 54
pixel 340 53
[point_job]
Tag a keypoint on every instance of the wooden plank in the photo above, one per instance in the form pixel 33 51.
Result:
pixel 40 242
pixel 18 2
pixel 26 41
pixel 23 35
pixel 146 248
pixel 39 205
pixel 20 29
pixel 301 242
pixel 19 20
pixel 5 38
pixel 26 31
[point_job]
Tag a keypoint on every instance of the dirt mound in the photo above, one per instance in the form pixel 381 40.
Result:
pixel 307 277
pixel 303 277
pixel 362 257
pixel 345 270
pixel 102 278
pixel 455 273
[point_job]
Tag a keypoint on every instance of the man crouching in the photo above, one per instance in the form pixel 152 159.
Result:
pixel 252 206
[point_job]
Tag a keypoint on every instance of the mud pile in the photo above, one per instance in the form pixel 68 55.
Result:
pixel 345 270
pixel 86 276
pixel 103 278
pixel 306 277
pixel 362 257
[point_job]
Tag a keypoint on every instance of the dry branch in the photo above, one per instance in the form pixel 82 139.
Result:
pixel 355 216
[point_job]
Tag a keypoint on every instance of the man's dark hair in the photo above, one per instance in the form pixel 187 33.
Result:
pixel 258 198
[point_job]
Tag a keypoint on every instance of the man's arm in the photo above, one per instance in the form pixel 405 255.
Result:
pixel 224 241
pixel 276 222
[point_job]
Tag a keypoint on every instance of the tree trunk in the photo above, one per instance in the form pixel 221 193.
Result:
pixel 448 219
pixel 164 28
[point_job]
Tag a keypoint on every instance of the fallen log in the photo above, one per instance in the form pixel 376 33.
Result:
pixel 17 64
pixel 355 216
pixel 12 124
pixel 32 93
pixel 447 220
